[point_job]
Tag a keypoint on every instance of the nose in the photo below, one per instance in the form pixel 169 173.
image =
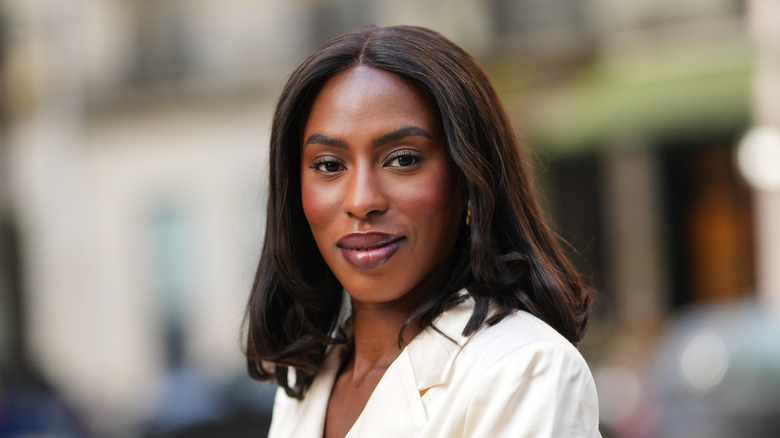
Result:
pixel 365 195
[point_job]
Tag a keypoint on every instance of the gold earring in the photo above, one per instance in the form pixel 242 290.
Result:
pixel 468 212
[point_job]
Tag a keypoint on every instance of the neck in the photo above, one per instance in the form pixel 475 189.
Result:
pixel 376 329
pixel 378 325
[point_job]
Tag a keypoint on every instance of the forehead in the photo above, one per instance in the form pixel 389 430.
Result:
pixel 363 92
pixel 367 78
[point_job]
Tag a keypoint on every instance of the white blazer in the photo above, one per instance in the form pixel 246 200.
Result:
pixel 518 378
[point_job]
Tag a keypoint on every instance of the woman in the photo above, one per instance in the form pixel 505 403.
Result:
pixel 408 285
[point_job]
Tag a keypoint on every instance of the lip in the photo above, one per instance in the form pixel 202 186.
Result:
pixel 369 250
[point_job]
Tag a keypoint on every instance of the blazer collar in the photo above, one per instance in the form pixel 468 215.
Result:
pixel 424 363
pixel 431 353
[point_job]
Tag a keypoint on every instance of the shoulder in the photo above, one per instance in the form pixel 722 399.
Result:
pixel 519 340
pixel 520 374
pixel 522 354
pixel 523 334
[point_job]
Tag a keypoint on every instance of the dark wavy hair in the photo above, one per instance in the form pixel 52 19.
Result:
pixel 507 255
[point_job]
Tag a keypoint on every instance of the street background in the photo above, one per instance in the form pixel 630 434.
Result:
pixel 133 149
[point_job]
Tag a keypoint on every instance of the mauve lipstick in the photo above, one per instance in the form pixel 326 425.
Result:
pixel 369 250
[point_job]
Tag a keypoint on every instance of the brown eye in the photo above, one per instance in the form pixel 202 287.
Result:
pixel 327 166
pixel 405 159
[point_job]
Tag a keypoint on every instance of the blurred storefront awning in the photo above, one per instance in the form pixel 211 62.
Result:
pixel 647 96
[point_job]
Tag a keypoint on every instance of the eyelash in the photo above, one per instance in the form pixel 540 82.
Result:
pixel 394 157
pixel 325 161
pixel 404 154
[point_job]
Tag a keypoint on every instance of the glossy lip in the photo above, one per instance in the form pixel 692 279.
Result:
pixel 369 250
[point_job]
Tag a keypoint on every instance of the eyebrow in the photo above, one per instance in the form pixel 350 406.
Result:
pixel 325 140
pixel 398 134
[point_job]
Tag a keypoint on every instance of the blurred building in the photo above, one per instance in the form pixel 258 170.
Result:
pixel 133 175
pixel 132 151
pixel 641 120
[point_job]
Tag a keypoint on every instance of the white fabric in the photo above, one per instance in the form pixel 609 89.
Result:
pixel 518 378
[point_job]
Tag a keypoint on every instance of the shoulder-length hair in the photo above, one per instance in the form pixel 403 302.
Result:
pixel 507 255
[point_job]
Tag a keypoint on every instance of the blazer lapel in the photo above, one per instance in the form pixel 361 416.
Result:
pixel 396 392
pixel 432 354
pixel 424 363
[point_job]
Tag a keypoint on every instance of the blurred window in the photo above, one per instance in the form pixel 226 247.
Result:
pixel 172 235
pixel 528 16
pixel 332 17
pixel 163 47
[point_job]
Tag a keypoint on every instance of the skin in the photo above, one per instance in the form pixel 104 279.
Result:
pixel 373 160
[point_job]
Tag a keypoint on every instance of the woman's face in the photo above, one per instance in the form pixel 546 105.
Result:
pixel 379 191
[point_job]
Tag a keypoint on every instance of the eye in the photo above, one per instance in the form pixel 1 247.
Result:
pixel 327 166
pixel 404 159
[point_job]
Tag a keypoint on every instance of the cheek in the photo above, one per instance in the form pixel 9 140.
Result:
pixel 426 197
pixel 435 200
pixel 320 203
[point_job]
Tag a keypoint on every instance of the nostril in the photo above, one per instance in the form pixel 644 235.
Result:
pixel 365 215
